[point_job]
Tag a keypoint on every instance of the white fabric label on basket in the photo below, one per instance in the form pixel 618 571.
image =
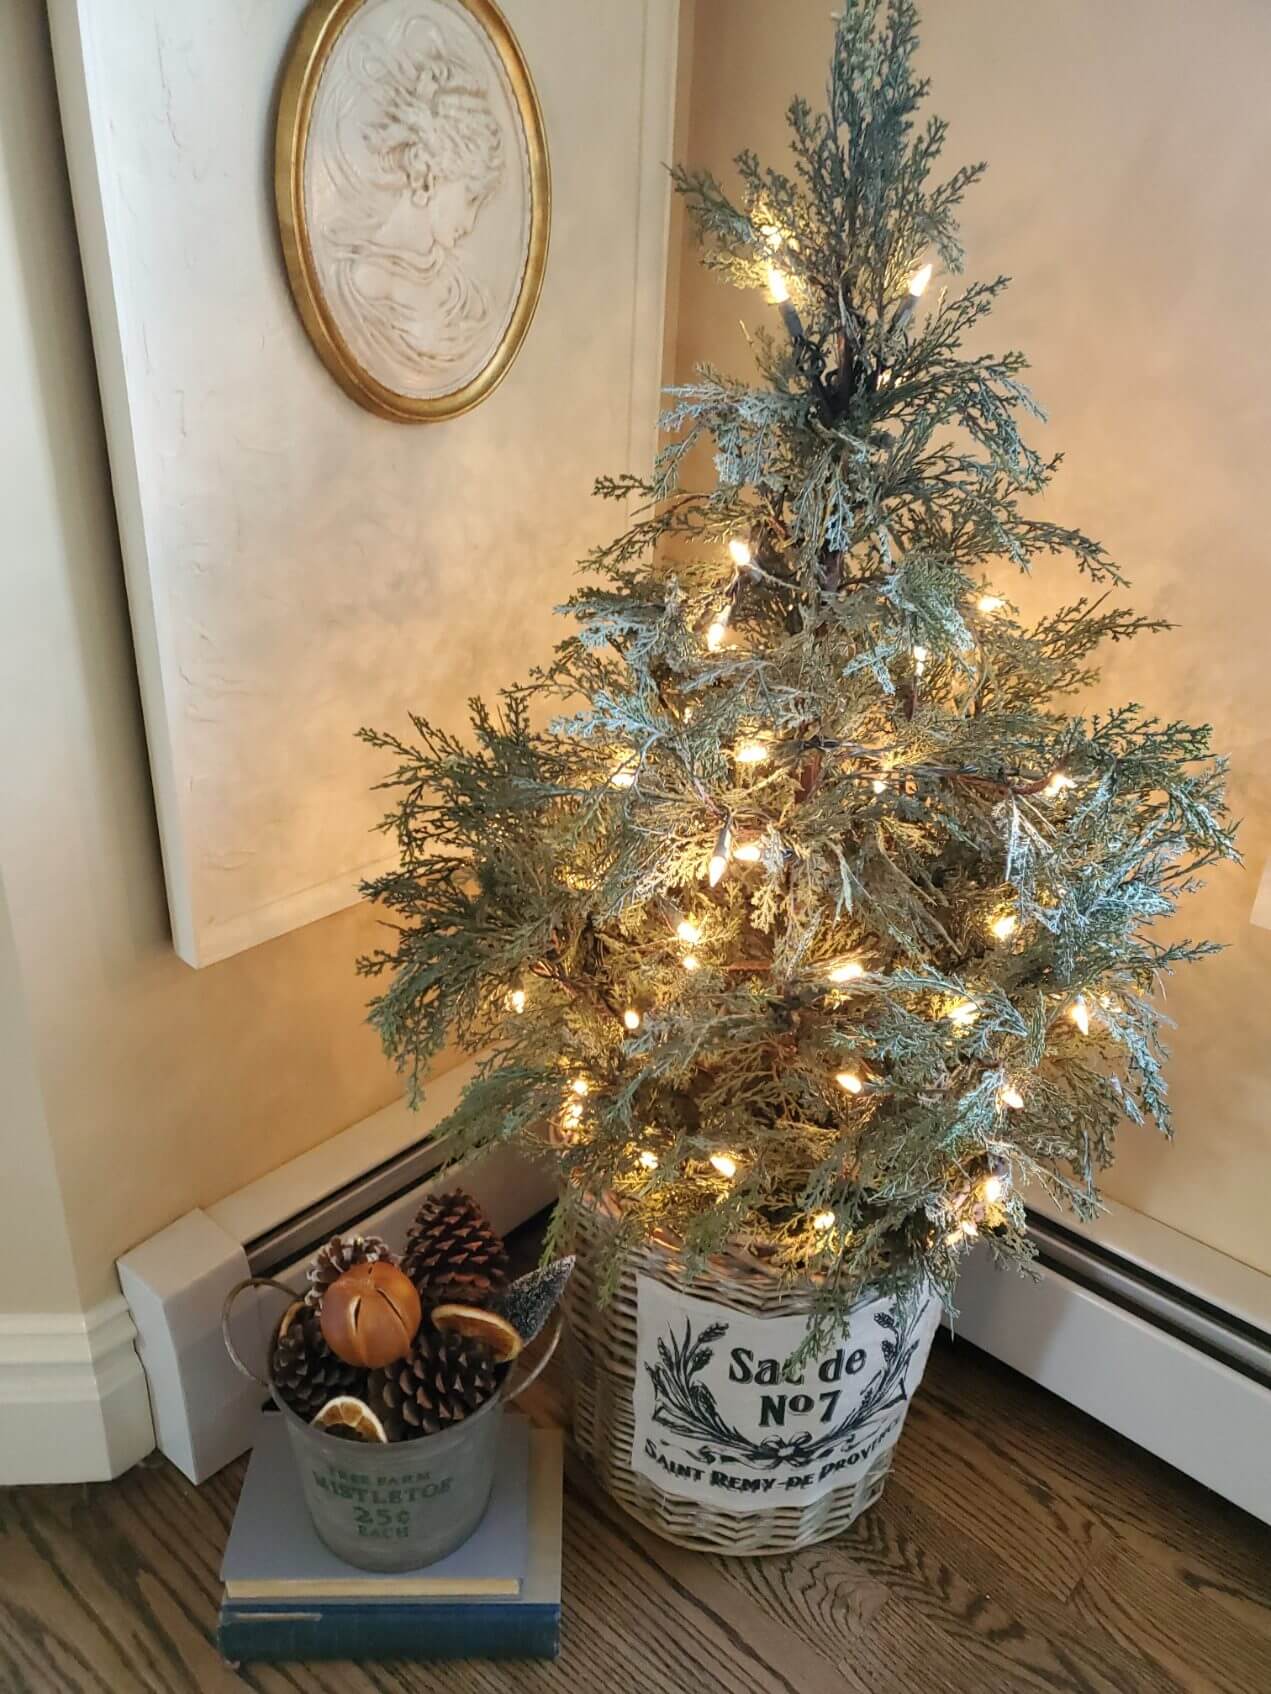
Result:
pixel 721 1419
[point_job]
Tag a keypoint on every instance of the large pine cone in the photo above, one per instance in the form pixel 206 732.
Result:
pixel 443 1378
pixel 452 1253
pixel 341 1253
pixel 306 1372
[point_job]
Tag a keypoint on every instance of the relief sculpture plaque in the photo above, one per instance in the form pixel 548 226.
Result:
pixel 413 198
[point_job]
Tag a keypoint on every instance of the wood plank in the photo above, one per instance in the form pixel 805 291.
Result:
pixel 1188 1533
pixel 965 1464
pixel 1182 1630
pixel 83 1573
pixel 1244 1596
pixel 985 1615
pixel 748 1605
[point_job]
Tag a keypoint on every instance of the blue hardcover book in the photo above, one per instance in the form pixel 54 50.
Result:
pixel 479 1625
pixel 427 1630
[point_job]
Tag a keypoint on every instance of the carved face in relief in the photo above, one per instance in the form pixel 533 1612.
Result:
pixel 418 194
pixel 441 135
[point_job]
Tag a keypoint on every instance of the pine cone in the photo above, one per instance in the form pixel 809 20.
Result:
pixel 306 1372
pixel 452 1253
pixel 443 1378
pixel 341 1253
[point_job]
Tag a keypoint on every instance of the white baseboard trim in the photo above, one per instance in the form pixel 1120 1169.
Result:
pixel 73 1400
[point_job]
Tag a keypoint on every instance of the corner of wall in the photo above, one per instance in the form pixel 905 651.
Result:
pixel 73 1401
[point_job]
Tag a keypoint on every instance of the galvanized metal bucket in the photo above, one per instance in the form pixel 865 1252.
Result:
pixel 395 1506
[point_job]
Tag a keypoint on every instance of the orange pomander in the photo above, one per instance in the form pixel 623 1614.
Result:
pixel 370 1314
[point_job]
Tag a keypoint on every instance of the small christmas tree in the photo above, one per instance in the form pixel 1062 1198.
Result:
pixel 814 918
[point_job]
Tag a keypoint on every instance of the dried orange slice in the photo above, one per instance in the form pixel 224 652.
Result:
pixel 352 1418
pixel 479 1325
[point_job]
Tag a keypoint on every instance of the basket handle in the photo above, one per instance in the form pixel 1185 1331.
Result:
pixel 226 1311
pixel 544 1359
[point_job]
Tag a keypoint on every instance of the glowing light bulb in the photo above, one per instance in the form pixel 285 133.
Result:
pixel 1004 927
pixel 631 1018
pixel 989 603
pixel 823 1221
pixel 691 962
pixel 580 1086
pixel 964 1013
pixel 992 1189
pixel 688 931
pixel 516 1000
pixel 1079 1012
pixel 920 657
pixel 772 235
pixel 725 1164
pixel 919 280
pixel 848 972
pixel 573 1114
pixel 751 753
pixel 740 552
pixel 649 1161
pixel 969 1228
pixel 849 1081
pixel 717 634
pixel 723 851
pixel 878 785
pixel 777 288
pixel 748 852
pixel 1011 1096
pixel 1058 782
pixel 622 779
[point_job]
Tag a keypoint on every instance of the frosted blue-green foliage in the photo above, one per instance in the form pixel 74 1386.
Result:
pixel 921 783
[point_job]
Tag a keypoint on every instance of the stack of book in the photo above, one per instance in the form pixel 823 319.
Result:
pixel 496 1597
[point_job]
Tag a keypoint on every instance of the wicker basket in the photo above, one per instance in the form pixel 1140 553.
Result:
pixel 601 1353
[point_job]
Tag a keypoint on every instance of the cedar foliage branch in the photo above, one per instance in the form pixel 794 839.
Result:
pixel 921 781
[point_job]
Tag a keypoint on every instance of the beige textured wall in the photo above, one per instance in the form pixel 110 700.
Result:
pixel 163 1087
pixel 1129 149
pixel 37 1268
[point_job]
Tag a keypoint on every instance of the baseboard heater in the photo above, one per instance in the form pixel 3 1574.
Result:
pixel 369 1179
pixel 401 1180
pixel 1152 1333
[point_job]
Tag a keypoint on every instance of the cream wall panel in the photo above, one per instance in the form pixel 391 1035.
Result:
pixel 1129 148
pixel 296 566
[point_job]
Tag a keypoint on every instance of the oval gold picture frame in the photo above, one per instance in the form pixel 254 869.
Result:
pixel 317 35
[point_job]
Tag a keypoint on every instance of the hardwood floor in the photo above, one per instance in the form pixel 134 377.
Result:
pixel 1018 1546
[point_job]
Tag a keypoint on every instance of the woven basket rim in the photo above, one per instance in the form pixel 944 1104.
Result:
pixel 736 1259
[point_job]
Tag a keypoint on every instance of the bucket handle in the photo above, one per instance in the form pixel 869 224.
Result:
pixel 227 1310
pixel 540 1365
